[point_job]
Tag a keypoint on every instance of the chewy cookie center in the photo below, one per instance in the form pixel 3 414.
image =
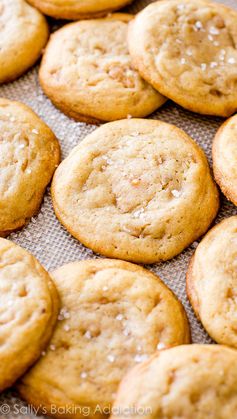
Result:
pixel 137 176
pixel 197 41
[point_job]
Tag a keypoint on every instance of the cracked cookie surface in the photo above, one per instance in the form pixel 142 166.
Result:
pixel 114 315
pixel 88 74
pixel 23 35
pixel 194 381
pixel 188 51
pixel 212 282
pixel 29 154
pixel 137 189
pixel 224 152
pixel 74 9
pixel 28 311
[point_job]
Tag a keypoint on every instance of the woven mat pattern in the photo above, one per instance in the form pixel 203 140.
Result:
pixel 45 238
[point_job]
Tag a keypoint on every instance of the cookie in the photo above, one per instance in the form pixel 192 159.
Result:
pixel 28 311
pixel 23 35
pixel 74 9
pixel 29 153
pixel 194 381
pixel 137 190
pixel 87 72
pixel 187 51
pixel 114 315
pixel 224 152
pixel 212 280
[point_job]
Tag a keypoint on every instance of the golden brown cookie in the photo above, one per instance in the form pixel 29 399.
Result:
pixel 114 315
pixel 28 311
pixel 188 382
pixel 74 9
pixel 224 152
pixel 23 34
pixel 29 154
pixel 136 189
pixel 87 72
pixel 187 51
pixel 212 282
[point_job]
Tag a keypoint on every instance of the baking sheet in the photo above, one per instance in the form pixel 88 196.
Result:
pixel 45 238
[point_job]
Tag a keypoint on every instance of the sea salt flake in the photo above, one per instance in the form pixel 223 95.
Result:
pixel 119 317
pixel 140 358
pixel 83 375
pixel 111 358
pixel 176 193
pixel 203 66
pixel 160 346
pixel 183 61
pixel 126 332
pixel 214 31
pixel 34 131
pixel 231 60
pixel 198 25
pixel 52 347
pixel 105 288
pixel 139 213
pixel 88 334
pixel 66 328
pixel 213 64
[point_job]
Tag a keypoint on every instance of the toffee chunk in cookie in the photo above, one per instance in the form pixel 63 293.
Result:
pixel 28 311
pixel 137 190
pixel 29 154
pixel 74 9
pixel 212 282
pixel 194 381
pixel 187 50
pixel 23 35
pixel 87 72
pixel 114 315
pixel 224 152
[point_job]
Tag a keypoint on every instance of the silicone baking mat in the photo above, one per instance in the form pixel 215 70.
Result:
pixel 47 239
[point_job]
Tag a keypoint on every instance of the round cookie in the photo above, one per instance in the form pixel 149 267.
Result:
pixel 224 152
pixel 187 51
pixel 74 9
pixel 137 190
pixel 212 282
pixel 23 35
pixel 87 72
pixel 28 311
pixel 114 315
pixel 194 381
pixel 29 153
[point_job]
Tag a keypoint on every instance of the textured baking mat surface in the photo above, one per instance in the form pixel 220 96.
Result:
pixel 45 238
